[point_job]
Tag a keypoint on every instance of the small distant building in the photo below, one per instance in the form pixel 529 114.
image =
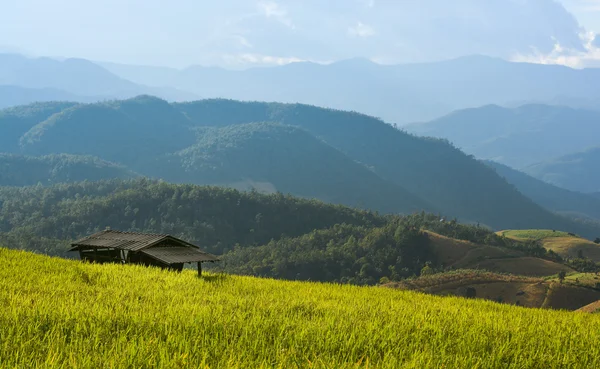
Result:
pixel 160 250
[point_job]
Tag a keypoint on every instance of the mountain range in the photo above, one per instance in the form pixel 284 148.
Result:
pixel 578 171
pixel 517 137
pixel 397 93
pixel 337 156
pixel 549 196
pixel 46 79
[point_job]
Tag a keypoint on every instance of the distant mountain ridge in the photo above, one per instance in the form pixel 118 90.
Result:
pixel 516 137
pixel 549 196
pixel 343 156
pixel 397 93
pixel 47 79
pixel 577 172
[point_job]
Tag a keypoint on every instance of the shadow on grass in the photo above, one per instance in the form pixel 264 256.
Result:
pixel 215 278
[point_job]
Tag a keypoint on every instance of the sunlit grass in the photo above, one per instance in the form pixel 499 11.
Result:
pixel 532 234
pixel 65 314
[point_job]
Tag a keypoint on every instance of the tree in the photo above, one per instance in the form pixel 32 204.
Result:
pixel 427 269
pixel 597 240
pixel 561 276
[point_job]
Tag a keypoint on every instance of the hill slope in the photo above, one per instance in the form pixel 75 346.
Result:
pixel 564 244
pixel 431 169
pixel 268 235
pixel 576 172
pixel 274 157
pixel 18 170
pixel 80 77
pixel 516 137
pixel 174 320
pixel 509 289
pixel 142 132
pixel 15 122
pixel 549 196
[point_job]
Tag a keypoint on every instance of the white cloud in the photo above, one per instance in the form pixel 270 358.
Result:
pixel 361 30
pixel 272 9
pixel 239 60
pixel 589 57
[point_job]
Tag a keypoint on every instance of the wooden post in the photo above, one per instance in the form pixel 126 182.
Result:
pixel 199 269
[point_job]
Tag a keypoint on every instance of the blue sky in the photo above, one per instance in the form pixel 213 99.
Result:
pixel 242 33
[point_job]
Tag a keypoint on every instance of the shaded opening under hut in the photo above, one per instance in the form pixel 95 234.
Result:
pixel 160 250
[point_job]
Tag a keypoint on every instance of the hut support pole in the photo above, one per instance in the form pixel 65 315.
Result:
pixel 199 269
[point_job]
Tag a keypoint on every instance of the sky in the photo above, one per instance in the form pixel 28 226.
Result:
pixel 245 33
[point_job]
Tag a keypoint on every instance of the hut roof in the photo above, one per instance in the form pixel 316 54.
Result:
pixel 174 255
pixel 130 241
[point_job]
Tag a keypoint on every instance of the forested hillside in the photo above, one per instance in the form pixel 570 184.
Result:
pixel 15 122
pixel 549 196
pixel 577 172
pixel 432 169
pixel 271 235
pixel 16 170
pixel 517 137
pixel 331 155
pixel 273 157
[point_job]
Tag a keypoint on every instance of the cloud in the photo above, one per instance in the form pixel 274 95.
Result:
pixel 272 9
pixel 574 58
pixel 398 31
pixel 361 30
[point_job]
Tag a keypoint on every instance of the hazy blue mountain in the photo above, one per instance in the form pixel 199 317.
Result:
pixel 549 196
pixel 517 137
pixel 80 77
pixel 209 142
pixel 399 93
pixel 16 170
pixel 15 122
pixel 131 132
pixel 577 172
pixel 16 96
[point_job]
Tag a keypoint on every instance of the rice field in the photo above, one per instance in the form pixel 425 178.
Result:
pixel 64 314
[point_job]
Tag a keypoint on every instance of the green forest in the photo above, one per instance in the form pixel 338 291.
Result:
pixel 334 156
pixel 273 235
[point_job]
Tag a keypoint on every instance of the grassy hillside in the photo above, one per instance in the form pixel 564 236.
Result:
pixel 268 235
pixel 575 172
pixel 577 291
pixel 564 244
pixel 16 170
pixel 59 313
pixel 549 196
pixel 517 137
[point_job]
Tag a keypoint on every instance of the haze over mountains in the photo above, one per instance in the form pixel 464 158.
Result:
pixel 400 94
pixel 47 79
pixel 336 156
pixel 549 196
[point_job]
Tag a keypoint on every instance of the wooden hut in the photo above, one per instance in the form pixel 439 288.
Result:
pixel 160 250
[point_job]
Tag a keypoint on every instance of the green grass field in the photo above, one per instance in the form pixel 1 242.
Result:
pixel 532 234
pixel 64 314
pixel 562 243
